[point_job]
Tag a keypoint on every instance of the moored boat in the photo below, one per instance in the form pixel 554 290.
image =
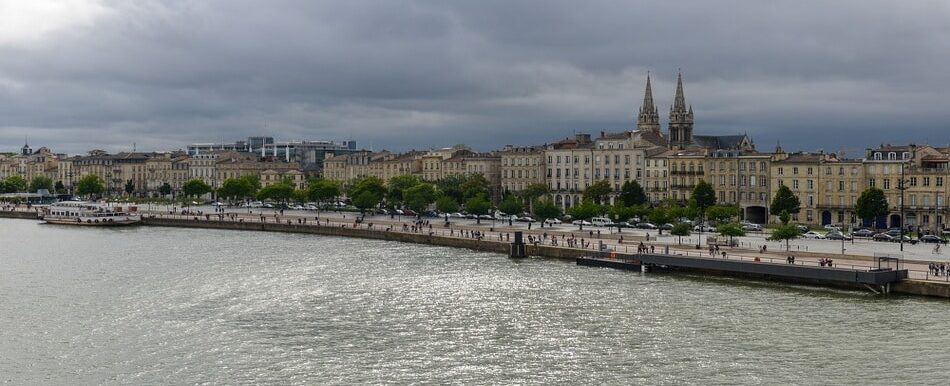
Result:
pixel 88 213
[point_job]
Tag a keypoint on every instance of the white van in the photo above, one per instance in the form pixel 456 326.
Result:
pixel 601 221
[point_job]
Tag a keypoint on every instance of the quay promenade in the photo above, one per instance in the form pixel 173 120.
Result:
pixel 544 242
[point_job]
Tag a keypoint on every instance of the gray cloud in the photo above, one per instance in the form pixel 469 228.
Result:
pixel 415 74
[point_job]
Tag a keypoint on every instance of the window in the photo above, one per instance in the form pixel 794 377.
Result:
pixel 926 181
pixel 877 156
pixel 795 170
pixel 939 181
pixel 795 184
pixel 780 171
pixel 887 183
pixel 871 183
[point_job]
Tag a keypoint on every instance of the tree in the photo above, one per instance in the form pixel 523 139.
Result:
pixel 660 215
pixel 129 187
pixel 321 190
pixel 784 217
pixel 446 204
pixel 280 192
pixel 14 184
pixel 367 192
pixel 165 189
pixel 532 192
pixel 631 193
pixel 785 232
pixel 585 210
pixel 730 229
pixel 681 229
pixel 703 197
pixel 240 187
pixel 785 200
pixel 621 212
pixel 511 206
pixel 195 188
pixel 475 185
pixel 90 184
pixel 546 209
pixel 478 206
pixel 871 204
pixel 722 213
pixel 398 186
pixel 419 197
pixel 59 187
pixel 451 186
pixel 41 182
pixel 598 192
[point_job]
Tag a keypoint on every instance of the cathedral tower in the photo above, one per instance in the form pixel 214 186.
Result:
pixel 649 118
pixel 681 118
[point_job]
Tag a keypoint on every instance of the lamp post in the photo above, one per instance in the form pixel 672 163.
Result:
pixel 902 187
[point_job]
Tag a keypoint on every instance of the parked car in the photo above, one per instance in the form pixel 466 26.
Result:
pixel 704 228
pixel 408 212
pixel 552 221
pixel 802 228
pixel 750 227
pixel 863 233
pixel 932 239
pixel 582 222
pixel 526 219
pixel 646 225
pixel 813 235
pixel 893 232
pixel 883 237
pixel 601 222
pixel 837 236
pixel 624 224
pixel 666 227
pixel 831 227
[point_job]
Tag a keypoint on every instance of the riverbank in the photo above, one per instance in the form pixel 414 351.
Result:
pixel 495 242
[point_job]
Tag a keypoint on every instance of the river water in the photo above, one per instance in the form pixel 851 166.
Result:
pixel 182 306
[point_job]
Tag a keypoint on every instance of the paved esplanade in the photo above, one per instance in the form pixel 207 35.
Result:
pixel 860 253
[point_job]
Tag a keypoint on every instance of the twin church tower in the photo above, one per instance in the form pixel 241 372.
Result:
pixel 681 116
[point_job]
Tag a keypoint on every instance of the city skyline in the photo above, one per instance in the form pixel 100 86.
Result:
pixel 417 75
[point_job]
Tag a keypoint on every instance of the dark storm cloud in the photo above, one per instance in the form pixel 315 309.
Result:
pixel 415 74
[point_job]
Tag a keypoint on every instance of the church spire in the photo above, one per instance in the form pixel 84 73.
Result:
pixel 681 118
pixel 679 101
pixel 649 118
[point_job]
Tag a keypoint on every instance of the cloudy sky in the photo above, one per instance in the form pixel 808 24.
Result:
pixel 83 74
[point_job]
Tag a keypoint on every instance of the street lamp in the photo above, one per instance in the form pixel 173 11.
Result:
pixel 902 187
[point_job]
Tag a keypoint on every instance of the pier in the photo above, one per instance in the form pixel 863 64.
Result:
pixel 878 278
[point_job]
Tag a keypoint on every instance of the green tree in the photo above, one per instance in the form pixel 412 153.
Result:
pixel 90 185
pixel 546 209
pixel 451 186
pixel 681 229
pixel 659 216
pixel 730 229
pixel 419 197
pixel 165 189
pixel 722 213
pixel 871 204
pixel 280 192
pixel 59 187
pixel 16 184
pixel 129 187
pixel 703 197
pixel 366 193
pixel 398 186
pixel 532 192
pixel 784 217
pixel 785 200
pixel 620 212
pixel 240 187
pixel 195 188
pixel 41 182
pixel 446 204
pixel 511 206
pixel 785 232
pixel 322 191
pixel 631 193
pixel 598 192
pixel 478 206
pixel 475 185
pixel 585 210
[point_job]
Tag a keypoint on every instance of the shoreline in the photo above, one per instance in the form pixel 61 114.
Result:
pixel 929 288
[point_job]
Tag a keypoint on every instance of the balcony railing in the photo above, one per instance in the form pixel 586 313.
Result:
pixel 687 173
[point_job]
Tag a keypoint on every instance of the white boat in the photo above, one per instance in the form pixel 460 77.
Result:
pixel 88 213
